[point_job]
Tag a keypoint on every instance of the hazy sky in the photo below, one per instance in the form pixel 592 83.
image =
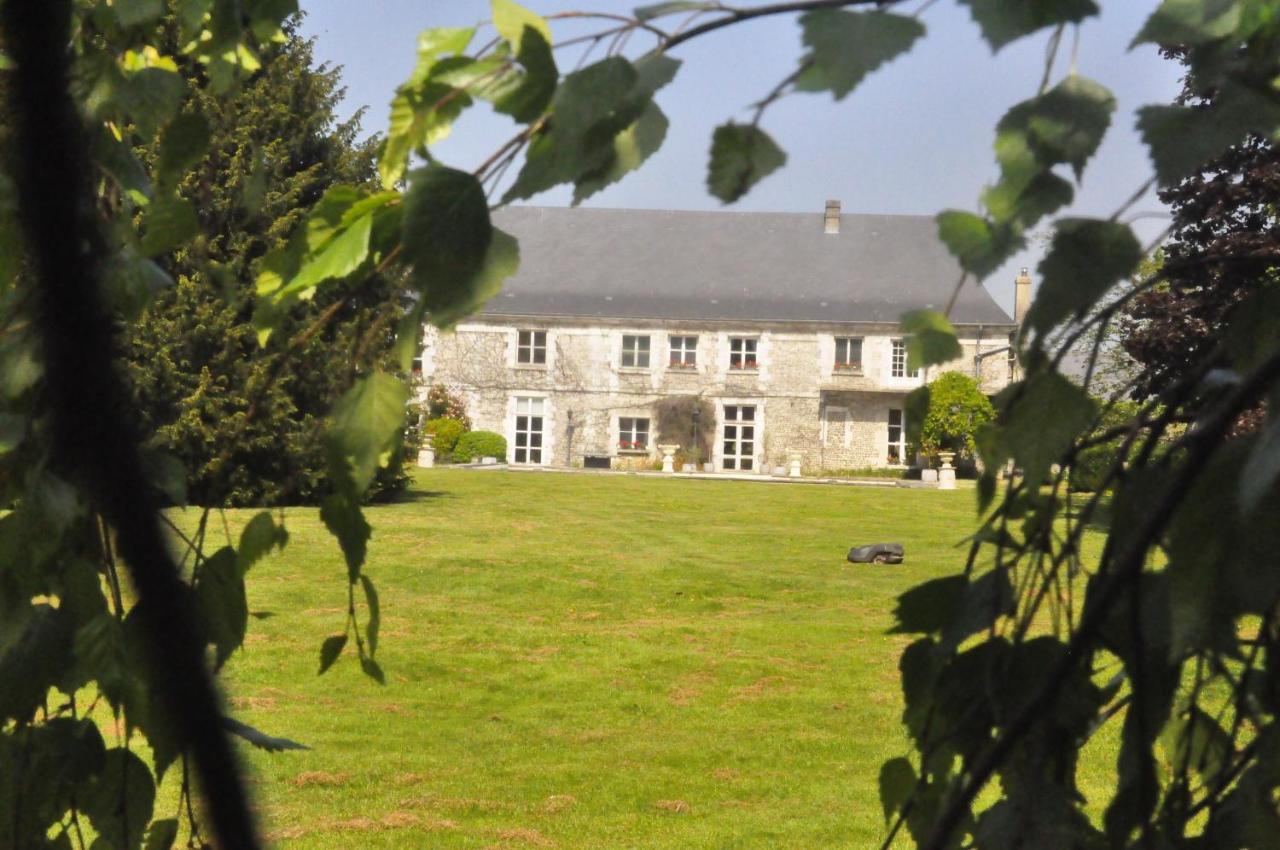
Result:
pixel 914 138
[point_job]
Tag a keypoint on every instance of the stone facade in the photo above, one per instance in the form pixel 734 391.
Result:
pixel 575 400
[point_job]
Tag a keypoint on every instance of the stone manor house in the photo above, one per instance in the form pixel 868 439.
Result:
pixel 786 324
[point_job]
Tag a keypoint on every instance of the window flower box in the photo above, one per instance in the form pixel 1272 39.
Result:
pixel 848 367
pixel 745 365
pixel 675 365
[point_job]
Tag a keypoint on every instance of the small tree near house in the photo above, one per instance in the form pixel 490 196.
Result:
pixel 679 418
pixel 956 409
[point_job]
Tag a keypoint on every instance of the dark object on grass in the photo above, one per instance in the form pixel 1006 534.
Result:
pixel 877 553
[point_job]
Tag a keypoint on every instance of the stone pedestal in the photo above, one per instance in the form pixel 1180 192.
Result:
pixel 947 472
pixel 793 464
pixel 427 454
pixel 929 476
pixel 668 457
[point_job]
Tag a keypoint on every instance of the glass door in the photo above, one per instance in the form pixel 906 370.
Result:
pixel 739 437
pixel 529 419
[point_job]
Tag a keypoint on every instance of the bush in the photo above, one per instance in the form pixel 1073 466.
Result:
pixel 1090 468
pixel 957 408
pixel 477 444
pixel 446 431
pixel 442 404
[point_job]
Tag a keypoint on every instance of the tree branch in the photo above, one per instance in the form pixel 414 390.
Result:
pixel 89 405
pixel 735 16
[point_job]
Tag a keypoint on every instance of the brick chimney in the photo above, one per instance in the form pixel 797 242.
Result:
pixel 831 221
pixel 1021 296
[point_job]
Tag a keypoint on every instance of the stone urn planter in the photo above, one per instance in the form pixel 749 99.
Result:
pixel 793 463
pixel 946 472
pixel 427 453
pixel 668 456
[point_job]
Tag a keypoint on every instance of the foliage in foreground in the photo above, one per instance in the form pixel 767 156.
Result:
pixel 1171 633
pixel 249 430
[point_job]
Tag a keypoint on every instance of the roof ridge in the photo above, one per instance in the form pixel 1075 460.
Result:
pixel 719 212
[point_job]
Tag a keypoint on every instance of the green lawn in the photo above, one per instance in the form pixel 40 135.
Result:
pixel 582 661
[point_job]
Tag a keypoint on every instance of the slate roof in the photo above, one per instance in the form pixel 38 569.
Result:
pixel 658 264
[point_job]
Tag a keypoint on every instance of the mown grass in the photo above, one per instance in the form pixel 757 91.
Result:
pixel 583 661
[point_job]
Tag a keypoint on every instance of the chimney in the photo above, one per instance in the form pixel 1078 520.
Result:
pixel 1021 296
pixel 831 221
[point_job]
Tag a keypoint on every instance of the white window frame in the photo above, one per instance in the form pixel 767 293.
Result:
pixel 628 429
pixel 901 443
pixel 898 360
pixel 635 351
pixel 530 406
pixel 532 348
pixel 686 355
pixel 731 432
pixel 748 353
pixel 847 365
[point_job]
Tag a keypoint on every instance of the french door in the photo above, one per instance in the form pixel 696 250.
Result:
pixel 529 425
pixel 739 437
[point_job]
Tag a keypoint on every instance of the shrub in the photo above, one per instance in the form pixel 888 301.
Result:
pixel 446 431
pixel 477 444
pixel 674 420
pixel 1090 468
pixel 957 408
pixel 442 404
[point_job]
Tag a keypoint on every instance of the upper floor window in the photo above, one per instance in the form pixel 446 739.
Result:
pixel 684 352
pixel 848 353
pixel 633 433
pixel 531 347
pixel 742 352
pixel 898 362
pixel 635 351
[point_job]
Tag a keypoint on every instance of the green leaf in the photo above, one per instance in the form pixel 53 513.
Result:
pixel 339 258
pixel 150 97
pixel 985 600
pixel 1003 21
pixel 346 521
pixel 1039 419
pixel 741 156
pixel 119 162
pixel 437 44
pixel 13 428
pixel 510 20
pixel 258 538
pixel 1190 22
pixel 372 670
pixel 34 661
pixel 1194 741
pixel 1183 138
pixel 365 423
pixel 929 606
pixel 631 148
pixel 1064 125
pixel 330 650
pixel 1086 259
pixel 590 108
pixel 168 222
pixel 375 613
pixel 671 7
pixel 167 474
pixel 897 781
pixel 119 801
pixel 525 96
pixel 259 739
pixel 1019 202
pixel 182 145
pixel 446 235
pixel 132 13
pixel 1263 469
pixel 162 835
pixel 132 281
pixel 846 46
pixel 980 247
pixel 220 597
pixel 930 339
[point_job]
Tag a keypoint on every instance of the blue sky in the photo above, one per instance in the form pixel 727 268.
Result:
pixel 914 138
